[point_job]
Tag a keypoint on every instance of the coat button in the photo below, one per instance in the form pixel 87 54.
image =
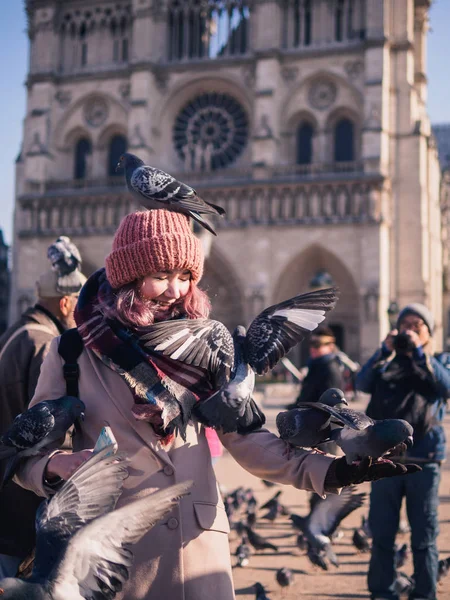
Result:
pixel 168 470
pixel 172 523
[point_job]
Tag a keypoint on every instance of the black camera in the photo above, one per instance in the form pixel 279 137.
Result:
pixel 403 343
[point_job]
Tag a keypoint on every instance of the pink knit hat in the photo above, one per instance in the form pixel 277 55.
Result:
pixel 150 242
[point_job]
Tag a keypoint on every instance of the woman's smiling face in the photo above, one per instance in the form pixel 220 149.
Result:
pixel 165 288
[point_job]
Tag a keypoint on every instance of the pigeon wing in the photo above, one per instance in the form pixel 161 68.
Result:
pixel 30 427
pixel 282 326
pixel 97 559
pixel 327 514
pixel 200 342
pixel 90 492
pixel 345 416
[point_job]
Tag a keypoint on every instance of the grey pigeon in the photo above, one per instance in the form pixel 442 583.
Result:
pixel 443 568
pixel 308 426
pixel 272 501
pixel 403 584
pixel 242 553
pixel 260 592
pixel 65 259
pixel 401 555
pixel 360 540
pixel 359 436
pixel 234 360
pixel 37 427
pixel 155 189
pixel 284 577
pixel 323 520
pixel 258 542
pixel 82 549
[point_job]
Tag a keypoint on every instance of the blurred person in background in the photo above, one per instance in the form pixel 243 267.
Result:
pixel 324 367
pixel 23 348
pixel 406 382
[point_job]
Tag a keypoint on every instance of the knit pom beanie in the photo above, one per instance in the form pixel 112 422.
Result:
pixel 150 242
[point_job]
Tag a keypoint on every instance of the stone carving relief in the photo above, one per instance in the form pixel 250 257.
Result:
pixel 289 74
pixel 373 118
pixel 354 68
pixel 96 111
pixel 137 139
pixel 248 74
pixel 371 304
pixel 124 90
pixel 264 130
pixel 37 147
pixel 63 97
pixel 322 94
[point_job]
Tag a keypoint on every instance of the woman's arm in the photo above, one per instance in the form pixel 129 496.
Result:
pixel 265 455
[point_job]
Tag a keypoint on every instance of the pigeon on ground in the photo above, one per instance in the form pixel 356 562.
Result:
pixel 301 542
pixel 401 555
pixel 82 549
pixel 258 542
pixel 360 541
pixel 234 360
pixel 260 592
pixel 307 426
pixel 324 518
pixel 250 498
pixel 155 189
pixel 443 568
pixel 355 433
pixel 37 427
pixel 251 517
pixel 403 584
pixel 365 526
pixel 273 512
pixel 242 553
pixel 284 577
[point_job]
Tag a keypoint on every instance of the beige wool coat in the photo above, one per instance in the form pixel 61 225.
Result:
pixel 185 557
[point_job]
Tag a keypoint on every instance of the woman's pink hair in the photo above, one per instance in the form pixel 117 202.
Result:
pixel 130 309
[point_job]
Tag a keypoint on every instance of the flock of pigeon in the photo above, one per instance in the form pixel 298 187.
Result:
pixel 314 533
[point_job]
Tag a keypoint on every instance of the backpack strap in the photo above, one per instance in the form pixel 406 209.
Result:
pixel 70 348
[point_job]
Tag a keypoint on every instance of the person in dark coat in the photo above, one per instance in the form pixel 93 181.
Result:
pixel 324 367
pixel 23 348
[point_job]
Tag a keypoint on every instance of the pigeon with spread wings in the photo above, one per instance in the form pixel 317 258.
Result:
pixel 154 189
pixel 234 360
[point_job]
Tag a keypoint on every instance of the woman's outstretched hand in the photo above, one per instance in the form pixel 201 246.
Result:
pixel 343 474
pixel 64 464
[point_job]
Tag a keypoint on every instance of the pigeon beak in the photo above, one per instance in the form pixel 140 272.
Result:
pixel 409 441
pixel 344 402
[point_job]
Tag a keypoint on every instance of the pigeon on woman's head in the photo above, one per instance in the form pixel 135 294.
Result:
pixel 154 188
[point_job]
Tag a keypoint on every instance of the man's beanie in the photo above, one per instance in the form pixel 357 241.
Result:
pixel 150 242
pixel 421 311
pixel 64 277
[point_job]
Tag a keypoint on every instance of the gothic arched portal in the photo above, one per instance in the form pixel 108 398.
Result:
pixel 296 278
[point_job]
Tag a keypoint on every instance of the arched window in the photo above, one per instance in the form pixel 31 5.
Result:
pixel 83 151
pixel 117 146
pixel 305 132
pixel 344 141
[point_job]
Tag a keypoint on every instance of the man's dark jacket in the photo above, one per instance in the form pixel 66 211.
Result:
pixel 324 372
pixel 20 366
pixel 412 388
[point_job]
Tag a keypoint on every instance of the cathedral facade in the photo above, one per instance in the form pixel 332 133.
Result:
pixel 305 119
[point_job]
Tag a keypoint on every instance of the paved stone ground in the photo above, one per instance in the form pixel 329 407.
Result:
pixel 346 581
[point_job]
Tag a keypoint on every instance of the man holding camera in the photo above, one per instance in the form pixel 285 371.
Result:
pixel 406 382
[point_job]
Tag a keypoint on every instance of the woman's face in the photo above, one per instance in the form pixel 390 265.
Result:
pixel 165 288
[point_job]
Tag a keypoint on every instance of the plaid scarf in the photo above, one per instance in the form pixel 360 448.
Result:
pixel 165 391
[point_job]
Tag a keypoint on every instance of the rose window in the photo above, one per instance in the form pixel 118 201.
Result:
pixel 210 132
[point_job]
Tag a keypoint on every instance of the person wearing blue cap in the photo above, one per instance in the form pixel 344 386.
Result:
pixel 406 382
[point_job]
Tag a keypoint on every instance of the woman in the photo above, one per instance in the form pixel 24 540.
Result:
pixel 151 275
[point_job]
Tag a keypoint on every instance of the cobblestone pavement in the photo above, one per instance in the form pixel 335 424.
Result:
pixel 346 581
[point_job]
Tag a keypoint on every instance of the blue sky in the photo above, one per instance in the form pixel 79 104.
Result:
pixel 13 68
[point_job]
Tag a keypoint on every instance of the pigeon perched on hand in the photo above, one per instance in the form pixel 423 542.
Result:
pixel 234 360
pixel 354 432
pixel 323 520
pixel 156 189
pixel 307 426
pixel 82 549
pixel 37 427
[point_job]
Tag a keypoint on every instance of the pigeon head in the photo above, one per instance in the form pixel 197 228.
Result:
pixel 74 406
pixel 333 397
pixel 394 431
pixel 129 161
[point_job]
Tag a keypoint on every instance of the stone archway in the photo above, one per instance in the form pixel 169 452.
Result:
pixel 345 317
pixel 224 291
